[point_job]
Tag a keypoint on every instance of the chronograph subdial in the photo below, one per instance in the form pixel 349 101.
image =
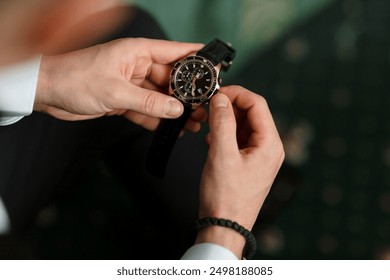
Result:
pixel 186 76
pixel 188 88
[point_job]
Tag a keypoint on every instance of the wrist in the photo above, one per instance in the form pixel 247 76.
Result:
pixel 43 84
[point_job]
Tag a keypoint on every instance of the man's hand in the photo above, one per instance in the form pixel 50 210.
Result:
pixel 245 155
pixel 128 77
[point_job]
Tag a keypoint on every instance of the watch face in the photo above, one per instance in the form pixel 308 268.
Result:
pixel 193 79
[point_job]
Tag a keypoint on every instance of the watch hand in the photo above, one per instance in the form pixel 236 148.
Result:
pixel 193 86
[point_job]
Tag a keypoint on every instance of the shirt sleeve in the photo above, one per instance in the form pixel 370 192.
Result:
pixel 4 220
pixel 18 83
pixel 208 251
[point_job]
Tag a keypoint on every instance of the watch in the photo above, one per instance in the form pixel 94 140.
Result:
pixel 193 80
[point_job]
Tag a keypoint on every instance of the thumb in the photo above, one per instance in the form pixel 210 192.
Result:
pixel 223 126
pixel 144 101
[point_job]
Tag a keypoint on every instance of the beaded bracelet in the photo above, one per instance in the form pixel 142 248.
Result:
pixel 250 245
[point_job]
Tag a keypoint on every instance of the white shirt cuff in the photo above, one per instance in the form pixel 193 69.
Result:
pixel 208 251
pixel 18 84
pixel 4 220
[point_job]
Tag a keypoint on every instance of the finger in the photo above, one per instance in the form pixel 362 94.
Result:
pixel 193 123
pixel 192 126
pixel 167 52
pixel 151 123
pixel 258 115
pixel 123 95
pixel 147 84
pixel 199 115
pixel 159 74
pixel 222 126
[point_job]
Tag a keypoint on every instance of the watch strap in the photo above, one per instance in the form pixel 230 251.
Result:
pixel 218 52
pixel 163 142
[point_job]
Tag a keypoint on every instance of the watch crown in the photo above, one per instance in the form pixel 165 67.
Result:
pixel 220 81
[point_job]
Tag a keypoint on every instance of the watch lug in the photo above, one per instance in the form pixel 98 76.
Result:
pixel 226 65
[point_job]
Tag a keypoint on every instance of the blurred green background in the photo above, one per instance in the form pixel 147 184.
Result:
pixel 250 25
pixel 323 67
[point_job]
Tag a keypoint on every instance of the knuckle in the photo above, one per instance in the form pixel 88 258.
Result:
pixel 275 150
pixel 278 151
pixel 281 151
pixel 263 102
pixel 150 103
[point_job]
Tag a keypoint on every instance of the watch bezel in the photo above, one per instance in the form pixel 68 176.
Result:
pixel 204 97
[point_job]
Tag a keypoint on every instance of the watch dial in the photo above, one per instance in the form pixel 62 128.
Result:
pixel 193 79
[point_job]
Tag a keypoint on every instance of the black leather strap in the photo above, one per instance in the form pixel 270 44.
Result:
pixel 218 52
pixel 163 142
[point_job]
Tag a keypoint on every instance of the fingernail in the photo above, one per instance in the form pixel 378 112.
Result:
pixel 173 108
pixel 220 101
